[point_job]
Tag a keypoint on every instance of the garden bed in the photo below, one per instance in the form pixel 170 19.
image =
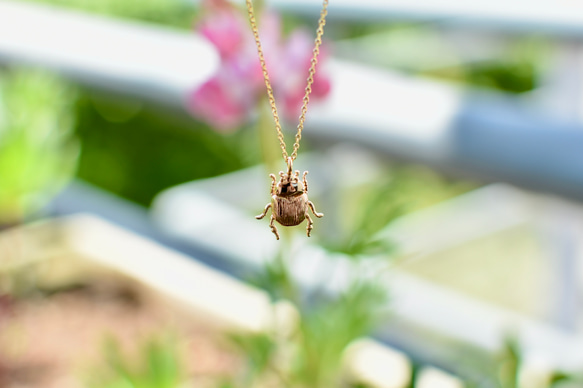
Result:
pixel 58 340
pixel 64 308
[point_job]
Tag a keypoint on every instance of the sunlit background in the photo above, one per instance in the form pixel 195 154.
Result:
pixel 444 141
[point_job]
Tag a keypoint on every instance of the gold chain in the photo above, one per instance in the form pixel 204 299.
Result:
pixel 311 72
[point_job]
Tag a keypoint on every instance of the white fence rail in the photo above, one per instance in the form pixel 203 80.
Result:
pixel 129 58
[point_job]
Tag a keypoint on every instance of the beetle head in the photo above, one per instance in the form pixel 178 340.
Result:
pixel 290 185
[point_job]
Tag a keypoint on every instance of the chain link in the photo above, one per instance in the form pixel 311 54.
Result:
pixel 310 81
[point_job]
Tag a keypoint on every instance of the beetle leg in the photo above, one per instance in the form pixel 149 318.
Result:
pixel 313 208
pixel 264 212
pixel 310 224
pixel 273 183
pixel 305 182
pixel 273 228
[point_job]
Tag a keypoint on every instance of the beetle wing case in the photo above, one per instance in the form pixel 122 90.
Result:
pixel 290 210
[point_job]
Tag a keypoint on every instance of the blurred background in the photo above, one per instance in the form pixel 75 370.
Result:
pixel 444 141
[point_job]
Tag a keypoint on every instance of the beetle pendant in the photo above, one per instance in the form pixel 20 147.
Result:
pixel 289 201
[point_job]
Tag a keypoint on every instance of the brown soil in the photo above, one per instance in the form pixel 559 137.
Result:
pixel 57 341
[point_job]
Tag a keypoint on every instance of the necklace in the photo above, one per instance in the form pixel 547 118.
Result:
pixel 289 197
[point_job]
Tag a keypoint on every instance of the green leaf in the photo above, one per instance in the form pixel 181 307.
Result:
pixel 157 365
pixel 258 349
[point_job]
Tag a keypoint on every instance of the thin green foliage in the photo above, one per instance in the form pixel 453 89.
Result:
pixel 327 328
pixel 380 206
pixel 356 235
pixel 276 279
pixel 259 351
pixel 508 366
pixel 312 354
pixel 402 190
pixel 158 365
pixel 566 380
pixel 504 371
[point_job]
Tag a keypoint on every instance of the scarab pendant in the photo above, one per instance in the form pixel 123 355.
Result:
pixel 289 200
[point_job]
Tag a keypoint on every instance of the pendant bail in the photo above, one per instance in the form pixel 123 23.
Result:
pixel 290 166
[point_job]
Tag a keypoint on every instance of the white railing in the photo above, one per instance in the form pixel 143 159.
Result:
pixel 130 58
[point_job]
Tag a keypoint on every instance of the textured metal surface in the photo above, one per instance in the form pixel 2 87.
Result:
pixel 289 204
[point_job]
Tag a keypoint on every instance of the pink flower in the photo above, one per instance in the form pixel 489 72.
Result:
pixel 214 104
pixel 224 32
pixel 294 71
pixel 227 100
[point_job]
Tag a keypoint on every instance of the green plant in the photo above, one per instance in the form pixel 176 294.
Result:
pixel 157 365
pixel 310 356
pixel 378 206
pixel 508 365
pixel 326 330
pixel 38 154
pixel 505 369
pixel 174 13
pixel 403 189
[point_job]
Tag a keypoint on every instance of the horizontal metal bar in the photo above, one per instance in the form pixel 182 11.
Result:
pixel 562 19
pixel 127 57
